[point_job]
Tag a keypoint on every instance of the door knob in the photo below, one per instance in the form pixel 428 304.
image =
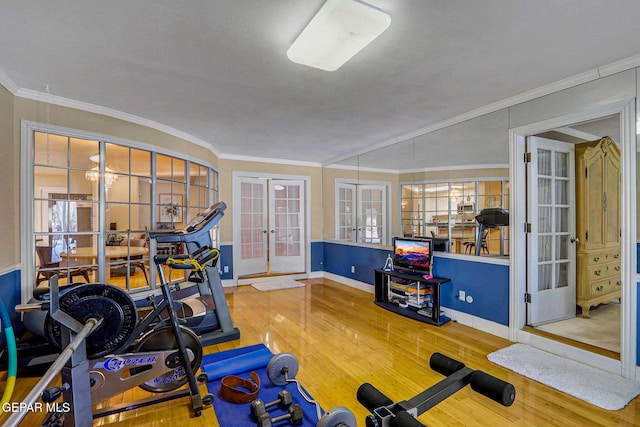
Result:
pixel 575 239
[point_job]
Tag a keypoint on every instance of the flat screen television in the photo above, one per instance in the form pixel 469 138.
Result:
pixel 412 255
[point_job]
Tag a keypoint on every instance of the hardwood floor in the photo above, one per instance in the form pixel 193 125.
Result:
pixel 342 340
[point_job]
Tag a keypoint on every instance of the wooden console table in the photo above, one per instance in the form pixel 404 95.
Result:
pixel 412 309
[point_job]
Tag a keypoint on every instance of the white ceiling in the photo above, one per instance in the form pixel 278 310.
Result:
pixel 217 71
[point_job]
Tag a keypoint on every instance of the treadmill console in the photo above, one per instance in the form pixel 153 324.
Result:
pixel 202 218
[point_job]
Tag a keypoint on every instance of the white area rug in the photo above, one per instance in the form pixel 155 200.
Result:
pixel 592 385
pixel 274 285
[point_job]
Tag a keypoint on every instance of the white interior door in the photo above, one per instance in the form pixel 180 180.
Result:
pixel 346 212
pixel 372 208
pixel 551 249
pixel 287 239
pixel 252 230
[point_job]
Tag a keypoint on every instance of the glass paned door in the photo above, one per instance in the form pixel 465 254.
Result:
pixel 551 249
pixel 346 212
pixel 253 226
pixel 372 214
pixel 287 231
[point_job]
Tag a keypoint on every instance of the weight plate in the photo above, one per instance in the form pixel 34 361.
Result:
pixel 337 416
pixel 163 339
pixel 109 303
pixel 278 365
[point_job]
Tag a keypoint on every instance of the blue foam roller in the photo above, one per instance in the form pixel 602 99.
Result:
pixel 238 364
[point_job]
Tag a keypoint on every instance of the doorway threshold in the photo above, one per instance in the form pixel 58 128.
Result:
pixel 264 277
pixel 583 346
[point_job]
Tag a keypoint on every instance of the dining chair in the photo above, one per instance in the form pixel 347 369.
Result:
pixel 47 268
pixel 136 261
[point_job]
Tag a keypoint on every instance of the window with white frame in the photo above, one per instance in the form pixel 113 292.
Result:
pixel 362 212
pixel 92 198
pixel 447 210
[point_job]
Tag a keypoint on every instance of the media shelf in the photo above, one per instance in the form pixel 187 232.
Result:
pixel 410 295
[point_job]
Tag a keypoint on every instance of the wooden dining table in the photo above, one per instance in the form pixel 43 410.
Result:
pixel 111 252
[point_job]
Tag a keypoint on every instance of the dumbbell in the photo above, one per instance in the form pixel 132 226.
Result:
pixel 294 415
pixel 258 407
pixel 283 368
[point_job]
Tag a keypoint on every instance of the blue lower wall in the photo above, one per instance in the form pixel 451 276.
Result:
pixel 488 284
pixel 226 259
pixel 317 256
pixel 339 259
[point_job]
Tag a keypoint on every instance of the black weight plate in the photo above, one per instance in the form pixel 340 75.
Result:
pixel 163 339
pixel 100 300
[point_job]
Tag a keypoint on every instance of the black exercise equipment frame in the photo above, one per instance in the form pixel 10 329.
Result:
pixel 489 218
pixel 196 236
pixel 386 413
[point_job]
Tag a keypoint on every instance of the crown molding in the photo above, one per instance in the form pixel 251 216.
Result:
pixel 460 167
pixel 109 112
pixel 418 170
pixel 575 80
pixel 8 82
pixel 269 160
pixel 587 76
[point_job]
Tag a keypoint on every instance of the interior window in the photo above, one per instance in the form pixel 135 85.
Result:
pixel 446 211
pixel 73 238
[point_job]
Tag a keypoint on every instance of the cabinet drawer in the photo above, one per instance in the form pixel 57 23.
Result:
pixel 603 287
pixel 614 269
pixel 614 255
pixel 602 271
pixel 602 257
pixel 597 272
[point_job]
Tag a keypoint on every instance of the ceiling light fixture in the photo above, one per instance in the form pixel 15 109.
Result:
pixel 340 29
pixel 93 174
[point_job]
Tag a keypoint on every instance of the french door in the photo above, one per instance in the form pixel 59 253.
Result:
pixel 251 226
pixel 269 227
pixel 361 213
pixel 551 249
pixel 372 208
pixel 286 226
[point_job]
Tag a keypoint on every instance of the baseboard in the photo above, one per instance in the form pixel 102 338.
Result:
pixel 349 282
pixel 478 323
pixel 466 319
pixel 316 275
pixel 229 283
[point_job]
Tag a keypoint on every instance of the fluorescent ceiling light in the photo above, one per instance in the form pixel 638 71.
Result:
pixel 340 29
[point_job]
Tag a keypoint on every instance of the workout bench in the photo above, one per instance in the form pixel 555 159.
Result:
pixel 385 413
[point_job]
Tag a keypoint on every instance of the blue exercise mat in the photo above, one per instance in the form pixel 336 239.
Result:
pixel 241 362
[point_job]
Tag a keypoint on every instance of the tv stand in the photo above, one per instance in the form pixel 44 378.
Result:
pixel 410 295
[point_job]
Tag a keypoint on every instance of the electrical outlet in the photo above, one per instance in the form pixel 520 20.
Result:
pixel 461 295
pixel 226 268
pixel 353 269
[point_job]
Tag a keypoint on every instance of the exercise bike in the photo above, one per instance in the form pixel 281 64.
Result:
pixel 120 353
pixel 207 314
